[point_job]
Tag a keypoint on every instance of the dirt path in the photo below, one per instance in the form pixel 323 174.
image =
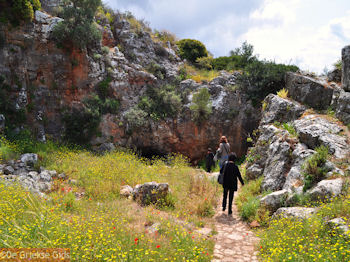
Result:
pixel 234 241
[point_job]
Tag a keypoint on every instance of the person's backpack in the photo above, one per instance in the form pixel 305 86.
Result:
pixel 221 175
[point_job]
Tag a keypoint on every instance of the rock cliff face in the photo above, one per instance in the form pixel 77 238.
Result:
pixel 45 82
pixel 291 130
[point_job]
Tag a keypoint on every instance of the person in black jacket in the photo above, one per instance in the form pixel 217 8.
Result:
pixel 230 181
pixel 209 160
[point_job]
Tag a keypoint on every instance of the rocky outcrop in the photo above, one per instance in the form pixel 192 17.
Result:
pixel 346 68
pixel 51 84
pixel 276 166
pixel 280 110
pixel 314 93
pixel 343 107
pixel 335 75
pixel 315 130
pixel 295 176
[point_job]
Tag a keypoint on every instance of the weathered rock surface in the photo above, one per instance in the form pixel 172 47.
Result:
pixel 346 68
pixel 326 189
pixel 274 200
pixel 335 75
pixel 295 176
pixel 309 91
pixel 29 159
pixel 280 110
pixel 254 171
pixel 277 165
pixel 295 212
pixel 343 107
pixel 315 130
pixel 150 193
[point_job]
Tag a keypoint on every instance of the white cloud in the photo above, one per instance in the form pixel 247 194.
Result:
pixel 311 46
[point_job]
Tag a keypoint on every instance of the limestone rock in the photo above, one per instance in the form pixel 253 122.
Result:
pixel 150 192
pixel 281 110
pixel 45 176
pixel 315 130
pixel 8 170
pixel 276 165
pixel 126 191
pixel 274 200
pixel 326 189
pixel 295 212
pixel 346 68
pixel 335 75
pixel 254 171
pixel 309 91
pixel 29 159
pixel 295 176
pixel 62 176
pixel 343 107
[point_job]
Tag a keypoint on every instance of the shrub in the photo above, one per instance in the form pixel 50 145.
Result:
pixel 157 70
pixel 205 62
pixel 105 50
pixel 161 102
pixel 338 64
pixel 78 26
pixel 261 78
pixel 81 124
pixel 314 170
pixel 205 209
pixel 191 49
pixel 201 107
pixel 283 93
pixel 136 118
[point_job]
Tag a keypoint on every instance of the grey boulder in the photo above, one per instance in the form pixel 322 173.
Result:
pixel 150 193
pixel 326 189
pixel 274 200
pixel 343 107
pixel 346 68
pixel 295 212
pixel 309 91
pixel 29 159
pixel 281 110
pixel 314 131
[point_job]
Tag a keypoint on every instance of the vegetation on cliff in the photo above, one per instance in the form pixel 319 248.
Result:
pixel 78 27
pixel 16 11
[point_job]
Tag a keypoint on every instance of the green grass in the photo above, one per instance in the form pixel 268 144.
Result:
pixel 102 226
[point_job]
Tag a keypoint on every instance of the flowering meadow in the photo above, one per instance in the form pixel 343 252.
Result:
pixel 102 226
pixel 310 239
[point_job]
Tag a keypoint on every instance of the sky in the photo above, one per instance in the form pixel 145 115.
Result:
pixel 308 33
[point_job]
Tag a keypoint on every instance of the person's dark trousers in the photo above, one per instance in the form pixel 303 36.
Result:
pixel 208 168
pixel 230 199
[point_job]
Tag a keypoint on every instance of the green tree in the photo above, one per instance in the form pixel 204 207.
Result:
pixel 201 107
pixel 78 27
pixel 16 11
pixel 191 49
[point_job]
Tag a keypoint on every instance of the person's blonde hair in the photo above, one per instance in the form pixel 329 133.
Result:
pixel 223 139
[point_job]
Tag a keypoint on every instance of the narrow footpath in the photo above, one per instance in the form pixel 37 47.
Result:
pixel 234 241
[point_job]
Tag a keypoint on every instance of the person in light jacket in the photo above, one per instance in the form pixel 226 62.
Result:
pixel 224 150
pixel 231 173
